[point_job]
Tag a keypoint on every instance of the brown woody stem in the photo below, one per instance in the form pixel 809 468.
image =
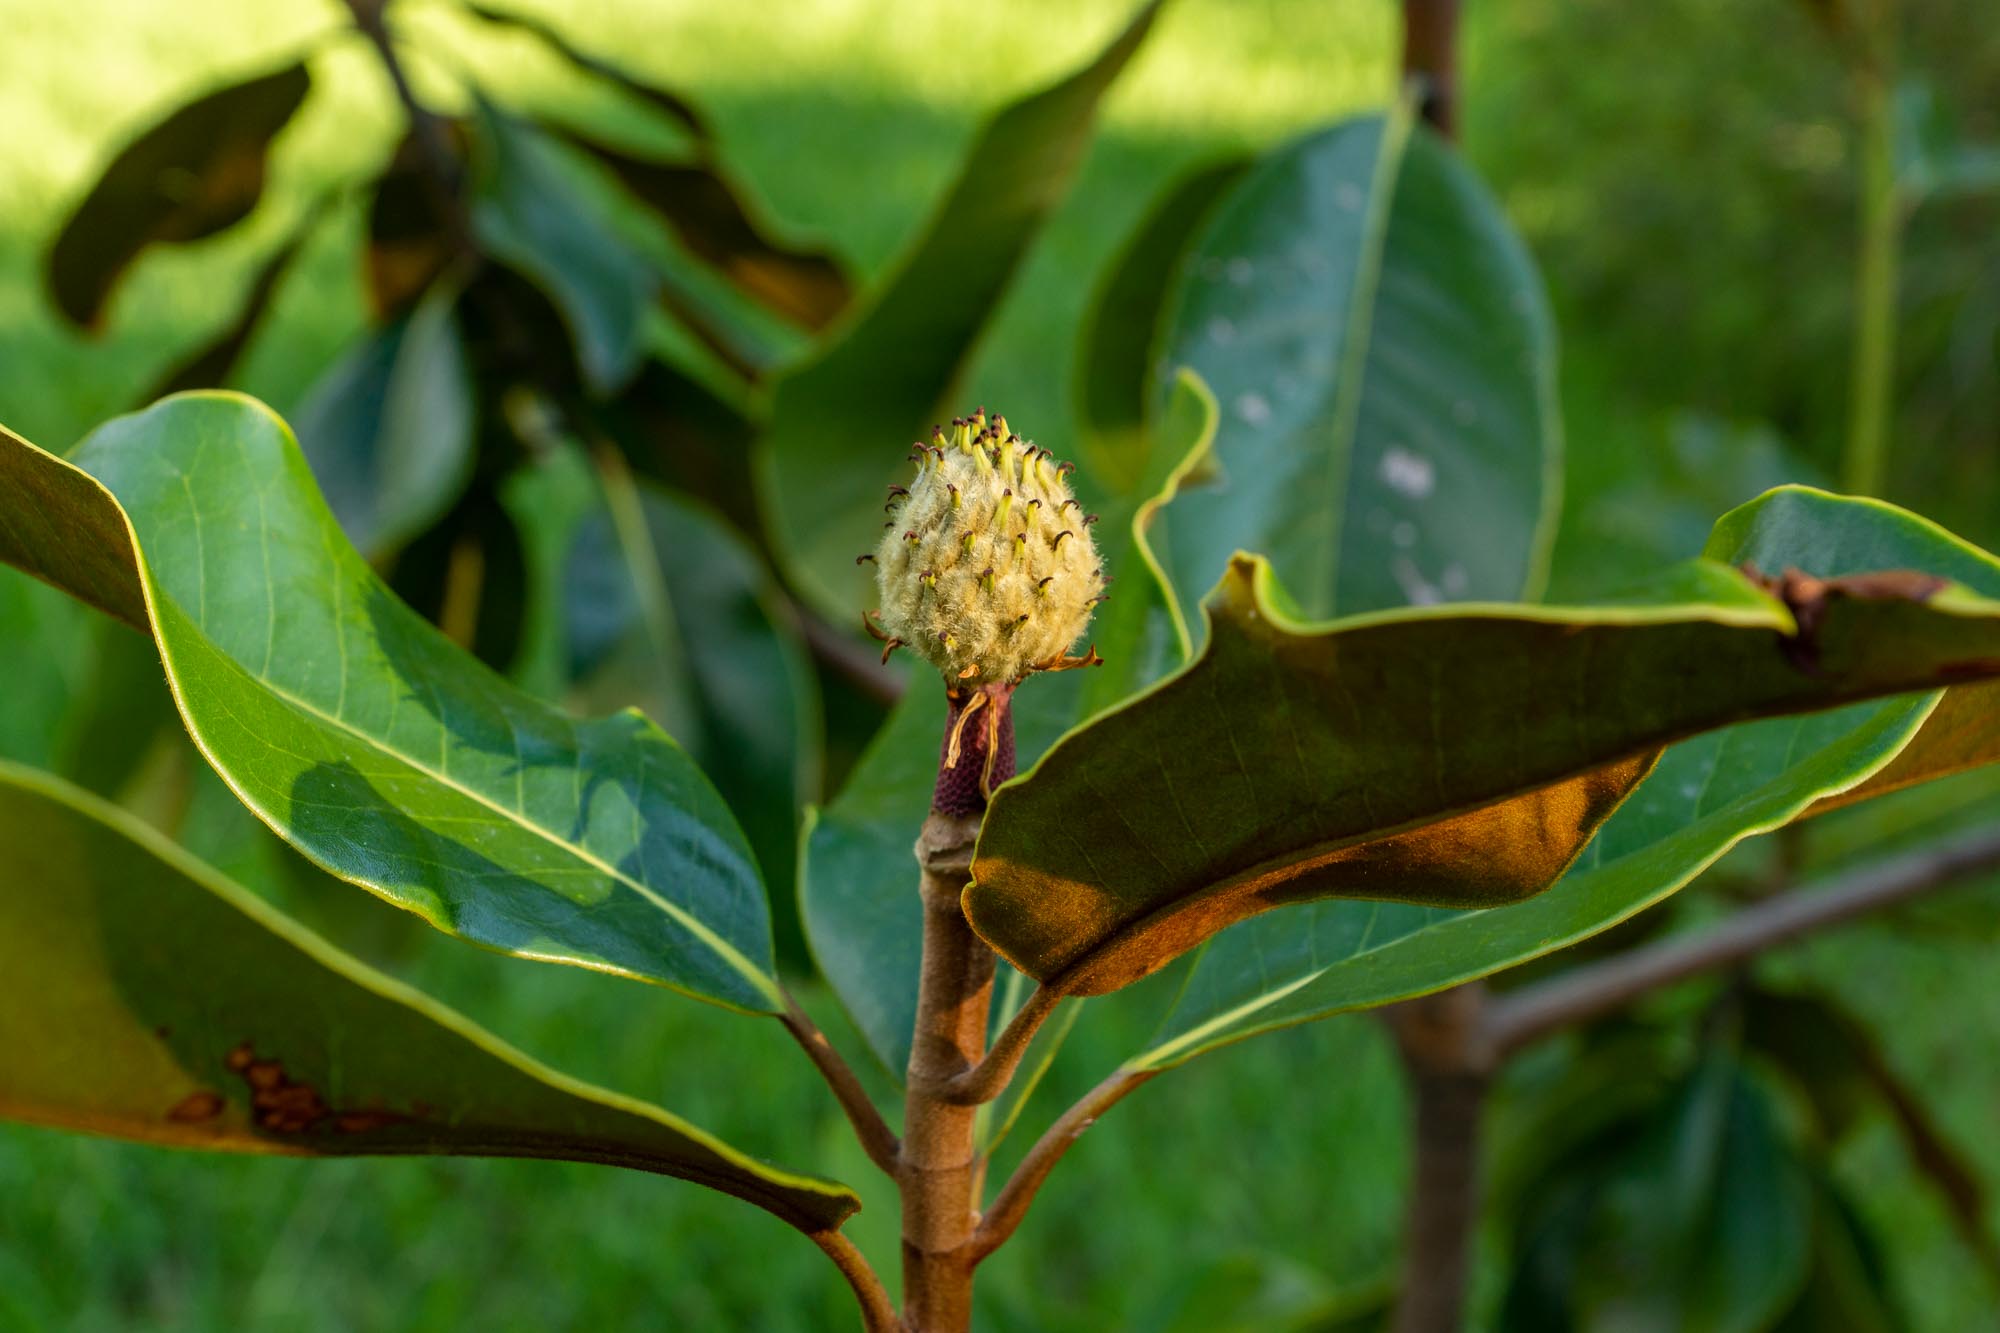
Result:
pixel 990 1077
pixel 939 1175
pixel 873 1131
pixel 1590 991
pixel 1011 1204
pixel 1430 57
pixel 1450 1068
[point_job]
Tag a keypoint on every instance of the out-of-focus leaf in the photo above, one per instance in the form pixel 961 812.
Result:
pixel 1700 1217
pixel 1384 358
pixel 750 711
pixel 1934 160
pixel 1446 757
pixel 409 245
pixel 548 500
pixel 1706 795
pixel 389 428
pixel 48 645
pixel 1842 1068
pixel 149 998
pixel 1664 503
pixel 677 107
pixel 706 210
pixel 1847 1289
pixel 530 216
pixel 193 174
pixel 1114 375
pixel 208 366
pixel 676 430
pixel 839 423
pixel 468 576
pixel 368 741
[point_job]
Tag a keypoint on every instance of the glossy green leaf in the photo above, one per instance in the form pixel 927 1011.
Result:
pixel 1846 536
pixel 747 702
pixel 529 215
pixel 1384 358
pixel 372 744
pixel 1962 734
pixel 1114 373
pixel 1448 757
pixel 193 174
pixel 389 428
pixel 708 212
pixel 1934 157
pixel 841 423
pixel 142 995
pixel 1706 795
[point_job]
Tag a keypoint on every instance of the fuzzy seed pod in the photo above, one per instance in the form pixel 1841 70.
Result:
pixel 986 571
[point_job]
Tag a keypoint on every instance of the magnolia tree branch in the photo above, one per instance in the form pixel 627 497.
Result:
pixel 433 140
pixel 1587 992
pixel 990 1077
pixel 1450 1066
pixel 939 1171
pixel 869 1126
pixel 1430 57
pixel 1011 1204
pixel 878 1313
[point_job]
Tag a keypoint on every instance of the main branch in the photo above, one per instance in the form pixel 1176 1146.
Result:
pixel 940 1173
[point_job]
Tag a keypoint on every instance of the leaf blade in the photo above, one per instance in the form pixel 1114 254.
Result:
pixel 177 994
pixel 598 844
pixel 1703 651
pixel 838 423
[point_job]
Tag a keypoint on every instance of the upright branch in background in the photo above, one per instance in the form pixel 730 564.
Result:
pixel 1430 58
pixel 1436 1035
pixel 1871 46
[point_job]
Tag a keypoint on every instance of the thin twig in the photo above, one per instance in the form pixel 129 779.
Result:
pixel 858 664
pixel 1011 1204
pixel 1597 988
pixel 878 1313
pixel 990 1077
pixel 876 1137
pixel 433 139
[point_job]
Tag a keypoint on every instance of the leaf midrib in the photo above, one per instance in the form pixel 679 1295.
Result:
pixel 722 949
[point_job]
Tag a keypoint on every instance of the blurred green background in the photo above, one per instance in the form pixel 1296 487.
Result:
pixel 1685 174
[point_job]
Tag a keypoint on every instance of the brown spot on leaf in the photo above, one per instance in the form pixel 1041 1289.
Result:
pixel 1807 596
pixel 361 1122
pixel 196 1107
pixel 285 1105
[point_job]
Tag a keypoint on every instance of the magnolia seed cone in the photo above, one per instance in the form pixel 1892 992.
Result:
pixel 986 568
